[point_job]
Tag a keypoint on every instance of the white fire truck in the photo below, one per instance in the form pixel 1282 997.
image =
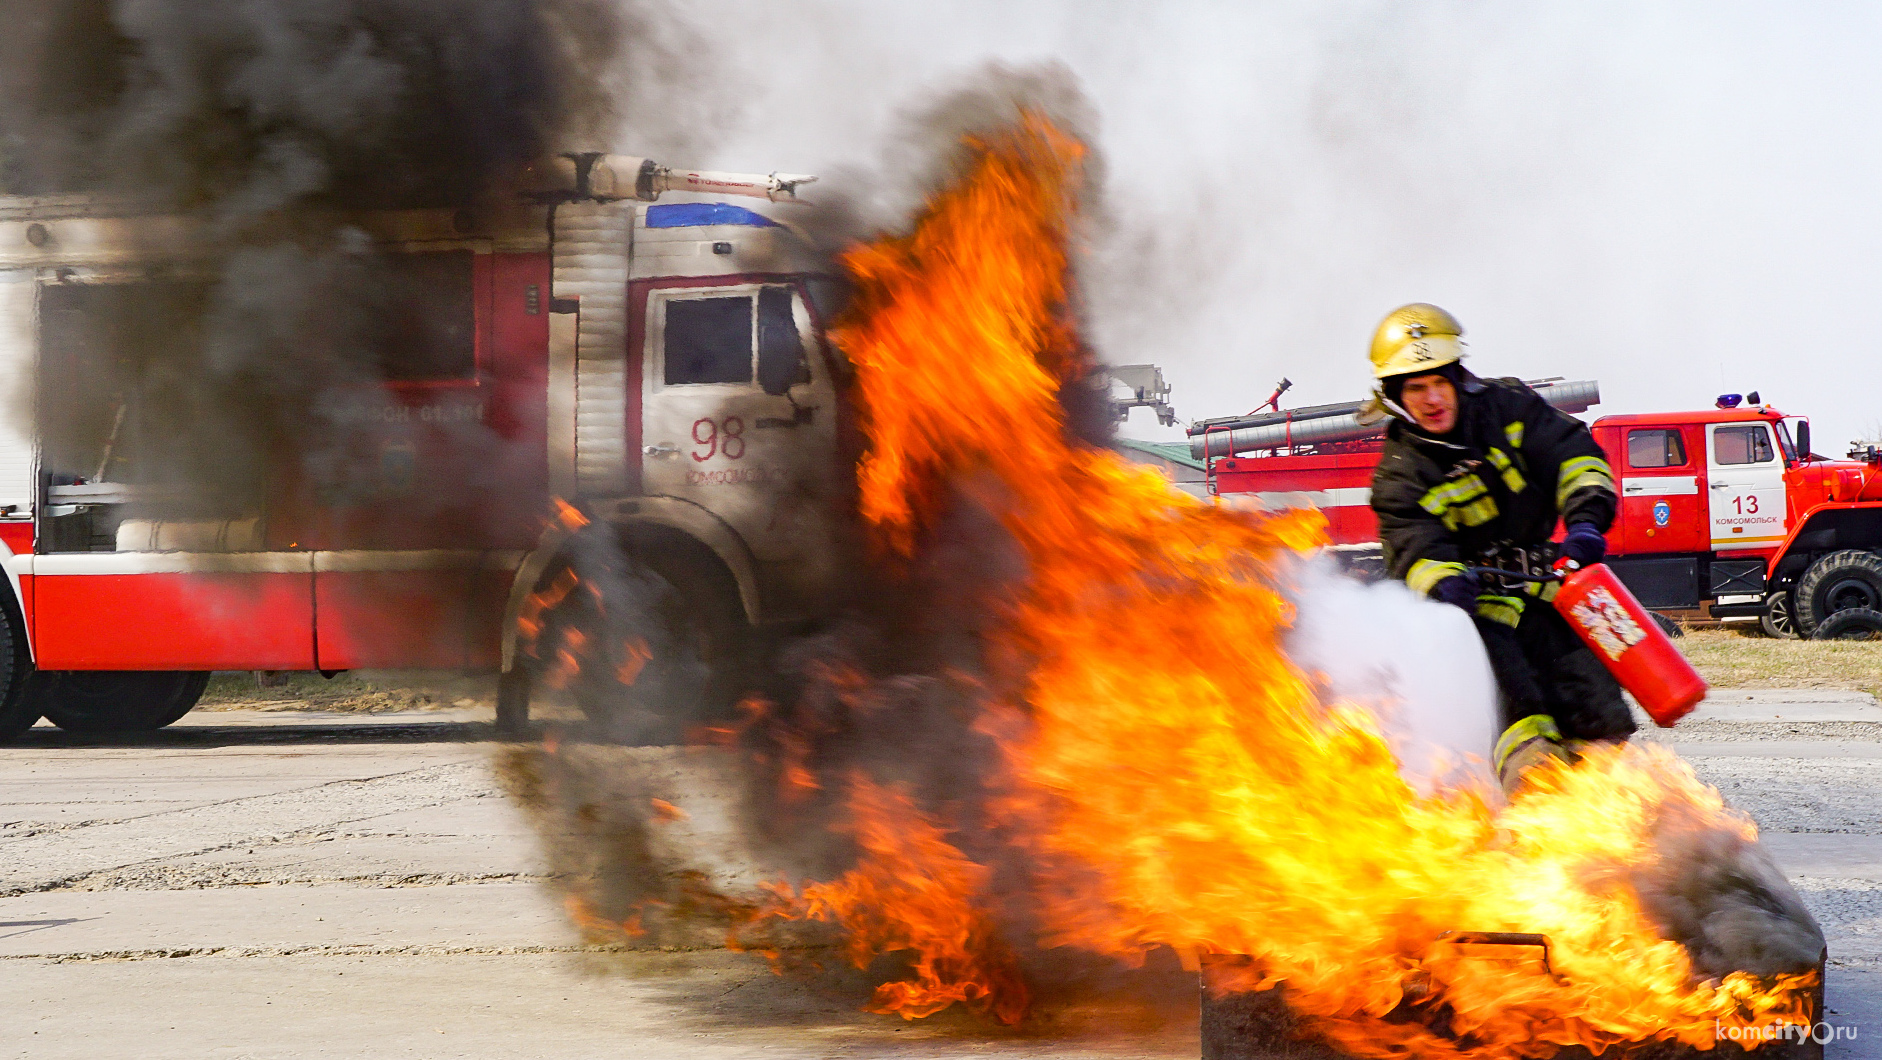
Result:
pixel 660 365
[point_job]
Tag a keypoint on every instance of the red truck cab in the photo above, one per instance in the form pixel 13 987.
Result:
pixel 1701 482
pixel 1705 501
pixel 1712 506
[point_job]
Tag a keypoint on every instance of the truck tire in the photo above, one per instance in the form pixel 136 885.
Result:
pixel 95 702
pixel 17 712
pixel 695 642
pixel 1667 625
pixel 1780 616
pixel 1837 582
pixel 513 701
pixel 1855 623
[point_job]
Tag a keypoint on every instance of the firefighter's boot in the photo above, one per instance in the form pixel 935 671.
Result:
pixel 1530 742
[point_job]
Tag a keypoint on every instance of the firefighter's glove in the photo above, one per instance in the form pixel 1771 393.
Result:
pixel 1459 590
pixel 1584 544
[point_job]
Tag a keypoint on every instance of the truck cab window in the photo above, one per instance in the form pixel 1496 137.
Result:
pixel 1655 448
pixel 113 360
pixel 115 405
pixel 708 340
pixel 427 319
pixel 1749 444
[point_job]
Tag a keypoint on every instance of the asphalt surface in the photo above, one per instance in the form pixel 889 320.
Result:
pixel 299 884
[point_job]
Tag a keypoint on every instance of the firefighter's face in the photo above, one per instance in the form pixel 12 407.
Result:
pixel 1432 401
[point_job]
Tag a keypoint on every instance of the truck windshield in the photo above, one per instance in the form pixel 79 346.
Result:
pixel 1784 442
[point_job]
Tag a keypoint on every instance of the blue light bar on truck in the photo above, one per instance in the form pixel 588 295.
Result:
pixel 702 214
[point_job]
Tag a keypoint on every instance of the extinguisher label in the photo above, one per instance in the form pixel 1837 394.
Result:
pixel 1607 623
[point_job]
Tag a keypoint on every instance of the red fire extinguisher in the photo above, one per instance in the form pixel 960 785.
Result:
pixel 1624 636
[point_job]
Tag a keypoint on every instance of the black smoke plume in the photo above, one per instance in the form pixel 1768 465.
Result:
pixel 243 353
pixel 246 107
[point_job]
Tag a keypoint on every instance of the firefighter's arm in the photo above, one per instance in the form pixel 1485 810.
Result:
pixel 1419 549
pixel 1561 453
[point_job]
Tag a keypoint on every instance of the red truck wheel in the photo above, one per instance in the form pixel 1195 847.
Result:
pixel 17 712
pixel 1667 625
pixel 1838 582
pixel 102 701
pixel 1857 623
pixel 1780 616
pixel 15 718
pixel 648 658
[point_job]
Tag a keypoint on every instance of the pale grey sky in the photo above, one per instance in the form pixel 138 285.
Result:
pixel 1677 199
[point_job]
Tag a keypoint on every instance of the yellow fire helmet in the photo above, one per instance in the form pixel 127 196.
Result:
pixel 1415 337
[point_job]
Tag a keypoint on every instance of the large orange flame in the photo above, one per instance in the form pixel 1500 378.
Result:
pixel 1168 772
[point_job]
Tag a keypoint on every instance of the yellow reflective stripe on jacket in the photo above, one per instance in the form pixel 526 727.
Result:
pixel 1580 473
pixel 1476 513
pixel 1425 574
pixel 1511 477
pixel 1543 590
pixel 1452 492
pixel 1534 727
pixel 1507 610
pixel 1514 432
pixel 1461 501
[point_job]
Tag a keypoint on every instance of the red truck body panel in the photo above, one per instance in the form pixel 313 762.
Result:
pixel 1681 525
pixel 1339 485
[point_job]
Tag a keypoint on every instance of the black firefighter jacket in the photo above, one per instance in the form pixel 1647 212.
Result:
pixel 1502 477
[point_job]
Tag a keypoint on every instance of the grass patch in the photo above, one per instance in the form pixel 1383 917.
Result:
pixel 364 691
pixel 1727 659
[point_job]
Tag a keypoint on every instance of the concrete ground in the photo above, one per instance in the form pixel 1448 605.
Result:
pixel 308 884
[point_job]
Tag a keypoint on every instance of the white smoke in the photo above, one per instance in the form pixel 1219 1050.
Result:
pixel 1417 665
pixel 1283 173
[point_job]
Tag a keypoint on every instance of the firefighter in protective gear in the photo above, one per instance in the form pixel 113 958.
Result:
pixel 1475 472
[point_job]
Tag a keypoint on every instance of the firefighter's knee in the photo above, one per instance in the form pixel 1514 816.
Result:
pixel 1587 699
pixel 1522 732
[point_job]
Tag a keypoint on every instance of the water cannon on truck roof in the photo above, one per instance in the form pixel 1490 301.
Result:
pixel 602 177
pixel 1346 422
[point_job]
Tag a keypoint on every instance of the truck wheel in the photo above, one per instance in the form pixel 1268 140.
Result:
pixel 1856 623
pixel 105 701
pixel 513 701
pixel 1779 619
pixel 17 712
pixel 1837 582
pixel 1667 625
pixel 16 716
pixel 654 662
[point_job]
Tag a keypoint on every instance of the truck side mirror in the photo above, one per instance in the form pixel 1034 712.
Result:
pixel 1803 439
pixel 781 363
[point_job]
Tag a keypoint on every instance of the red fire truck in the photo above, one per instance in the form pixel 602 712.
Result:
pixel 1726 507
pixel 660 365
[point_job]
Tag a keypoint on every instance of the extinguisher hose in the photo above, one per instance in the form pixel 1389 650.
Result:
pixel 1513 575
